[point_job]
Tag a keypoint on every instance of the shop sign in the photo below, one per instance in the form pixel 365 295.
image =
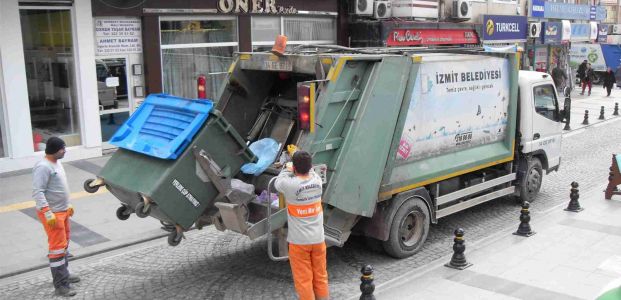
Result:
pixel 254 7
pixel 541 59
pixel 118 36
pixel 552 33
pixel 416 37
pixel 580 32
pixel 566 34
pixel 537 8
pixel 556 10
pixel 602 33
pixel 505 28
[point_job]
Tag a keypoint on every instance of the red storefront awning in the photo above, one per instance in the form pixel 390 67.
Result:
pixel 420 37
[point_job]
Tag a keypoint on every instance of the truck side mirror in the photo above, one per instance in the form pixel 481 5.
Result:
pixel 567 92
pixel 566 109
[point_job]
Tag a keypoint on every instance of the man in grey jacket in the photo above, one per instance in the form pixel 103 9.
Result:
pixel 51 194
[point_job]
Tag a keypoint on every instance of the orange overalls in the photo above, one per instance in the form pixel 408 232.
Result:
pixel 57 239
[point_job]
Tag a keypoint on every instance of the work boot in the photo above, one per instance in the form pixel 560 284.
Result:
pixel 64 291
pixel 73 279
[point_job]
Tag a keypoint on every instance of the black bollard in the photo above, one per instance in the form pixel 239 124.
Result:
pixel 616 112
pixel 367 287
pixel 574 205
pixel 601 114
pixel 524 228
pixel 458 260
pixel 586 118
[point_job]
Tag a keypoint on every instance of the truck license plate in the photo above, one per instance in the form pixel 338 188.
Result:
pixel 281 65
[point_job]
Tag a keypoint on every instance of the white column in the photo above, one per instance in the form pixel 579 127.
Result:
pixel 17 108
pixel 86 74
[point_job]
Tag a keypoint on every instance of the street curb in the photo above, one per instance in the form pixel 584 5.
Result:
pixel 82 256
pixel 476 245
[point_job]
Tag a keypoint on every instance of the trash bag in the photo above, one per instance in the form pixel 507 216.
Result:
pixel 239 185
pixel 266 150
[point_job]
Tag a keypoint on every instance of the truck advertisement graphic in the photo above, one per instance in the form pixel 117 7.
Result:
pixel 591 52
pixel 455 108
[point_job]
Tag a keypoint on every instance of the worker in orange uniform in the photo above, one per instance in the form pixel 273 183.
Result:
pixel 51 194
pixel 302 190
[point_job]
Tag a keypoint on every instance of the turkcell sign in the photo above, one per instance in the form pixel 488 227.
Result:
pixel 551 33
pixel 498 28
pixel 537 8
pixel 556 10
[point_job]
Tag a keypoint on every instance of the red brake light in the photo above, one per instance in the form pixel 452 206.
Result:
pixel 304 107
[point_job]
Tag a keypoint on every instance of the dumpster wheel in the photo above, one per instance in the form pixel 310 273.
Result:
pixel 90 189
pixel 142 210
pixel 123 212
pixel 174 238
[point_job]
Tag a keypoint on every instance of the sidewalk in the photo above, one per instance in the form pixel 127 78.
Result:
pixel 572 256
pixel 593 103
pixel 95 228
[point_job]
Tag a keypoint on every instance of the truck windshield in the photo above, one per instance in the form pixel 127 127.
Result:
pixel 545 101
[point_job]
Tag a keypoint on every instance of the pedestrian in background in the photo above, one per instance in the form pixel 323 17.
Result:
pixel 51 194
pixel 302 189
pixel 588 79
pixel 582 70
pixel 618 76
pixel 609 81
pixel 559 77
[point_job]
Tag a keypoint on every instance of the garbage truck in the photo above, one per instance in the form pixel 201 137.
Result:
pixel 400 138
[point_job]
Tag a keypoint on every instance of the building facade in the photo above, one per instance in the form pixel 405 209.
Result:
pixel 78 69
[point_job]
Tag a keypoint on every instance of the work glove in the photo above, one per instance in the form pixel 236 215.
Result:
pixel 291 149
pixel 50 218
pixel 70 210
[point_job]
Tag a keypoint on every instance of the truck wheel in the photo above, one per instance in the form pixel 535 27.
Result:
pixel 88 188
pixel 174 238
pixel 123 212
pixel 142 211
pixel 530 184
pixel 408 230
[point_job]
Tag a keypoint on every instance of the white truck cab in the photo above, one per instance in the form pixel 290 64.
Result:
pixel 540 126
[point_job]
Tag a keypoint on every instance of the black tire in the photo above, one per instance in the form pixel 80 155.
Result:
pixel 408 230
pixel 597 79
pixel 174 238
pixel 142 211
pixel 123 212
pixel 530 183
pixel 88 188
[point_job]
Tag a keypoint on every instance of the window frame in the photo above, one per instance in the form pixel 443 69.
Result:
pixel 294 42
pixel 196 45
pixel 556 112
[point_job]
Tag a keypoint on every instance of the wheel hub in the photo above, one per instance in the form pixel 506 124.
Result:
pixel 411 228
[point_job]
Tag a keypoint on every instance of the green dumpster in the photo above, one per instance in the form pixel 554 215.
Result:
pixel 176 189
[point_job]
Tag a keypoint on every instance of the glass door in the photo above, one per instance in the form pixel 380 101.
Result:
pixel 115 103
pixel 50 72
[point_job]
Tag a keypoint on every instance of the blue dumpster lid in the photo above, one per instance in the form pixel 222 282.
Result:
pixel 163 126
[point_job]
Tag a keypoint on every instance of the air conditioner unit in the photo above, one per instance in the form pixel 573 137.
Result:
pixel 616 29
pixel 534 30
pixel 462 10
pixel 362 7
pixel 382 9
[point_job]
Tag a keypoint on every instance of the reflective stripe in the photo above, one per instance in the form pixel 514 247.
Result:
pixel 60 251
pixel 303 211
pixel 57 264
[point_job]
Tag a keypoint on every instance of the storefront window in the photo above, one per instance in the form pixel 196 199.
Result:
pixel 299 30
pixel 193 48
pixel 48 51
pixel 114 103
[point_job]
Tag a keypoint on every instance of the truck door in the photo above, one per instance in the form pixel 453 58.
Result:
pixel 546 123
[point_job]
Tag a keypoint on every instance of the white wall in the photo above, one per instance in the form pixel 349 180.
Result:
pixel 86 73
pixel 15 90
